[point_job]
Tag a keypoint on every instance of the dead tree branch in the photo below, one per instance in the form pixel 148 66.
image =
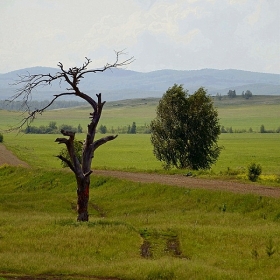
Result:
pixel 80 165
pixel 72 77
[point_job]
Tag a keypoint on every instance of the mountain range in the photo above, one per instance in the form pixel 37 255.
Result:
pixel 119 84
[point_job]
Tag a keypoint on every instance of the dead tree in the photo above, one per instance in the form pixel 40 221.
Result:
pixel 72 77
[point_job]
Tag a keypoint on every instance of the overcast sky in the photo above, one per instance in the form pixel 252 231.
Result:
pixel 160 34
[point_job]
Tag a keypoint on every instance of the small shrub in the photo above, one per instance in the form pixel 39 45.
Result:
pixel 78 146
pixel 254 171
pixel 1 138
pixel 233 172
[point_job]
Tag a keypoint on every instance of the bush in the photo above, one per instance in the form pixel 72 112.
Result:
pixel 254 171
pixel 1 138
pixel 78 146
pixel 102 129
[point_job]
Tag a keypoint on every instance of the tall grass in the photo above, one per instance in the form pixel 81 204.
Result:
pixel 219 235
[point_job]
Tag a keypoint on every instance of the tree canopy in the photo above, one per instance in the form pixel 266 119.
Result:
pixel 185 131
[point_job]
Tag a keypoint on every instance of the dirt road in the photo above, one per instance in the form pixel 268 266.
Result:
pixel 7 157
pixel 190 182
pixel 175 180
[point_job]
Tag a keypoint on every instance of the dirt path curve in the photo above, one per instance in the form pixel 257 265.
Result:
pixel 191 182
pixel 7 157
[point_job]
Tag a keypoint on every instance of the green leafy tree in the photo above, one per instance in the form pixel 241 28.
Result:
pixel 262 129
pixel 52 125
pixel 80 129
pixel 231 93
pixel 185 131
pixel 78 148
pixel 102 129
pixel 132 128
pixel 248 94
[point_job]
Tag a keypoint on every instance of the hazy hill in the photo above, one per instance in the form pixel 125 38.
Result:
pixel 119 84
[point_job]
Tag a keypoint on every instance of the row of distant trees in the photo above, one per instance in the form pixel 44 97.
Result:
pixel 52 128
pixel 250 130
pixel 17 105
pixel 232 94
pixel 130 129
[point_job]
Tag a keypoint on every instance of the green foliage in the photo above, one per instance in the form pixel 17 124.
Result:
pixel 132 128
pixel 51 129
pixel 102 129
pixel 262 129
pixel 248 94
pixel 186 129
pixel 79 128
pixel 68 128
pixel 1 138
pixel 78 146
pixel 254 171
pixel 231 93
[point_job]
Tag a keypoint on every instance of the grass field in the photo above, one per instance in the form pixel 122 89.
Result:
pixel 140 231
pixel 188 234
pixel 236 113
pixel 134 152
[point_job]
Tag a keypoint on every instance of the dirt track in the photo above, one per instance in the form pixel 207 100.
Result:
pixel 190 182
pixel 174 180
pixel 7 157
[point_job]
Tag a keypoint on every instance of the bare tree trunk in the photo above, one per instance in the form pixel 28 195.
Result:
pixel 80 167
pixel 82 199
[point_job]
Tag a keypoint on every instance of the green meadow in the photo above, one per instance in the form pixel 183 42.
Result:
pixel 136 230
pixel 134 152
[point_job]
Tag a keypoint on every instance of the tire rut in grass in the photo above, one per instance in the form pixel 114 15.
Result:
pixel 98 209
pixel 158 244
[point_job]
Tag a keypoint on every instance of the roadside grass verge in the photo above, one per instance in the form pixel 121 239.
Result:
pixel 136 231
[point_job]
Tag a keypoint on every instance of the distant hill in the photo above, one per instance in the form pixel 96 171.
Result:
pixel 119 84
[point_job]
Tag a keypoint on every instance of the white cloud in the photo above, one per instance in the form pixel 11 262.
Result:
pixel 178 34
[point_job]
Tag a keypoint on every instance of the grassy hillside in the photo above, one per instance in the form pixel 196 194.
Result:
pixel 237 113
pixel 140 231
pixel 136 231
